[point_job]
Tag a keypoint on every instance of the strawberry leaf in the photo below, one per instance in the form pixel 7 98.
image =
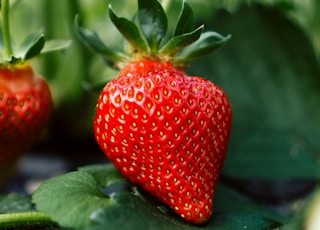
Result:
pixel 208 42
pixel 104 175
pixel 230 200
pixel 175 44
pixel 35 44
pixel 55 45
pixel 173 11
pixel 73 197
pixel 153 22
pixel 31 46
pixel 35 48
pixel 93 41
pixel 185 21
pixel 158 35
pixel 133 213
pixel 236 220
pixel 130 31
pixel 27 42
pixel 88 199
pixel 15 203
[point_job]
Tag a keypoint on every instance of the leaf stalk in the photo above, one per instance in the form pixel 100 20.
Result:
pixel 6 28
pixel 14 220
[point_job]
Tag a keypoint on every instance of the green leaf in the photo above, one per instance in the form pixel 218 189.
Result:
pixel 133 217
pixel 18 212
pixel 27 42
pixel 171 9
pixel 13 203
pixel 186 20
pixel 271 77
pixel 273 147
pixel 93 41
pixel 241 220
pixel 70 199
pixel 175 44
pixel 105 175
pixel 296 223
pixel 130 31
pixel 55 45
pixel 135 211
pixel 229 200
pixel 35 44
pixel 153 22
pixel 34 47
pixel 76 200
pixel 208 42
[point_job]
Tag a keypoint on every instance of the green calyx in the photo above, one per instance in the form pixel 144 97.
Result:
pixel 32 46
pixel 149 37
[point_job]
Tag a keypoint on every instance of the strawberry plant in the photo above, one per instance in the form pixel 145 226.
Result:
pixel 164 130
pixel 269 72
pixel 25 98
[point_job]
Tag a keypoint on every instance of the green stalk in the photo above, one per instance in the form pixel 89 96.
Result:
pixel 6 28
pixel 25 218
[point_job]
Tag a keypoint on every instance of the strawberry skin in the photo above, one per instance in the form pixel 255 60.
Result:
pixel 166 132
pixel 25 107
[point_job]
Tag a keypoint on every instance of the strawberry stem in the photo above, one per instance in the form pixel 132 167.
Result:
pixel 16 220
pixel 6 28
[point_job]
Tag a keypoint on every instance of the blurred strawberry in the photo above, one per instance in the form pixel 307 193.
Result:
pixel 25 98
pixel 25 107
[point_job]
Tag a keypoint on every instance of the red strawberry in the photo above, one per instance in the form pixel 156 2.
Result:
pixel 25 99
pixel 168 133
pixel 25 106
pixel 165 131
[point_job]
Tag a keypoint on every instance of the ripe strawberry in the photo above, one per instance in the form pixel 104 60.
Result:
pixel 168 133
pixel 25 99
pixel 164 130
pixel 25 107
